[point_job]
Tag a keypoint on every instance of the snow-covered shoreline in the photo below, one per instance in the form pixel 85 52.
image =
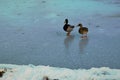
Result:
pixel 31 72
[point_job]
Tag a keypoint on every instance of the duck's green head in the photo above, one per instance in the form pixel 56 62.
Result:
pixel 66 21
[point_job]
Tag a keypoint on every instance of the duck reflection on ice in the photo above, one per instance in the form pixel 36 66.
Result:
pixel 68 40
pixel 82 44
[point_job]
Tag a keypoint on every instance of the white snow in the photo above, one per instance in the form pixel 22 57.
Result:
pixel 31 72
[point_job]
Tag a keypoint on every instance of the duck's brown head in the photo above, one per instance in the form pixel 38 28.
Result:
pixel 80 25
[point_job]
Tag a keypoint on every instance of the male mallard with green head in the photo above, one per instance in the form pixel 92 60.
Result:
pixel 67 27
pixel 83 30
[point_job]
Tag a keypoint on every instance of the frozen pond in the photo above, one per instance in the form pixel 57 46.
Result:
pixel 31 32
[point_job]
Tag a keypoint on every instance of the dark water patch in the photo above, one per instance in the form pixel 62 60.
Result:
pixel 116 2
pixel 114 16
pixel 43 1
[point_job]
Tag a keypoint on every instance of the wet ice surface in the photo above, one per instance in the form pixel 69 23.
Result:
pixel 31 33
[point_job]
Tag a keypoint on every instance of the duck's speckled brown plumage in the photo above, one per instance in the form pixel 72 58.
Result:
pixel 82 30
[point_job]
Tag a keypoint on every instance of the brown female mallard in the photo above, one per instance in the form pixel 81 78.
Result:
pixel 67 27
pixel 83 30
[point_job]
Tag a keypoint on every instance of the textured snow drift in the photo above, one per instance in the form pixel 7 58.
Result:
pixel 31 72
pixel 31 30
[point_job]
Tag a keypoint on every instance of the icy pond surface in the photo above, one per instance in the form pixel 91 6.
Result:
pixel 31 32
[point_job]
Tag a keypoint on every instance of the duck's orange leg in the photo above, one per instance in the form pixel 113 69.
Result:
pixel 85 35
pixel 68 34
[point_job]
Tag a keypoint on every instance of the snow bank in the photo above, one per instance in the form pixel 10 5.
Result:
pixel 31 72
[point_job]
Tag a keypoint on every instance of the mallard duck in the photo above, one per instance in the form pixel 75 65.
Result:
pixel 67 27
pixel 83 30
